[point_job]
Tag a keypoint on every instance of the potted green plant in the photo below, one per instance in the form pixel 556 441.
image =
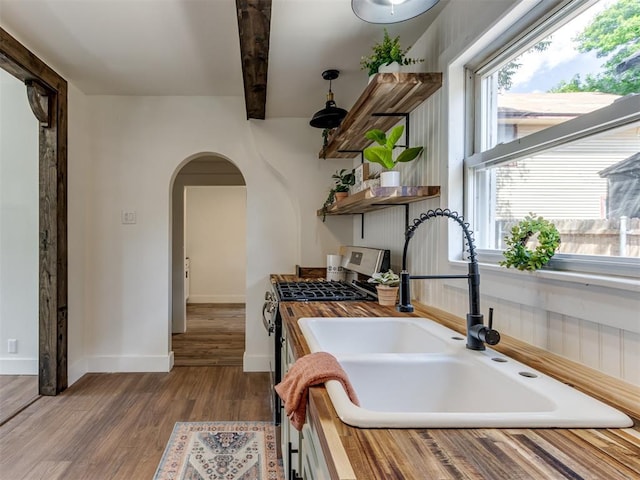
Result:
pixel 386 286
pixel 386 53
pixel 343 179
pixel 383 154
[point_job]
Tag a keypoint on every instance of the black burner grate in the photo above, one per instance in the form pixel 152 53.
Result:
pixel 319 290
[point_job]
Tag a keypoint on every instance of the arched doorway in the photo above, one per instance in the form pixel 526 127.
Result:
pixel 208 225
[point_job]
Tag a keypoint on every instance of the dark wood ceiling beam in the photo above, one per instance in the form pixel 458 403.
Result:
pixel 254 23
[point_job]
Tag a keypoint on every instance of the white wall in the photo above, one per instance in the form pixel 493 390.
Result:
pixel 590 320
pixel 79 212
pixel 216 243
pixel 138 145
pixel 124 153
pixel 19 211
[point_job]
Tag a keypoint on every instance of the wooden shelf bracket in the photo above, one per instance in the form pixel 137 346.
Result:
pixel 361 152
pixel 406 215
pixel 406 125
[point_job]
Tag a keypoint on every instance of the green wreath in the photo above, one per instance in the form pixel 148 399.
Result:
pixel 519 256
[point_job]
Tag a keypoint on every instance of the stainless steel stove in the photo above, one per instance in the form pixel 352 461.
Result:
pixel 359 260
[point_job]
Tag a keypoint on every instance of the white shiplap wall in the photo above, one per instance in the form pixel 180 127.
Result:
pixel 583 338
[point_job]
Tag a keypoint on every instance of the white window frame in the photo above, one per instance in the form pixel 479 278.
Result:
pixel 624 111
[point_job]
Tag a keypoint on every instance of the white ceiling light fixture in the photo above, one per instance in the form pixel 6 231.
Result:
pixel 390 11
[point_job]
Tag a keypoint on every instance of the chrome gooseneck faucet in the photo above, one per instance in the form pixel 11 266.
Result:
pixel 477 333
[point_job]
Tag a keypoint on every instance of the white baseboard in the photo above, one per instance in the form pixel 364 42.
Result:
pixel 18 366
pixel 120 363
pixel 76 370
pixel 256 363
pixel 216 298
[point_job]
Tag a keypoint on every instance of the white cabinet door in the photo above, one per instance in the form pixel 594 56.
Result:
pixel 301 451
pixel 290 437
pixel 314 466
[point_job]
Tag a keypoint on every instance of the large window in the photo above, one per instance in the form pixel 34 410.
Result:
pixel 557 133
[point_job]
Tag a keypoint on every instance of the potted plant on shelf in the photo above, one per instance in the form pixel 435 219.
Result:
pixel 383 154
pixel 387 287
pixel 343 179
pixel 386 54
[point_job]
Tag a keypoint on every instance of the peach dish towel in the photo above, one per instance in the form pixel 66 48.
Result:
pixel 307 371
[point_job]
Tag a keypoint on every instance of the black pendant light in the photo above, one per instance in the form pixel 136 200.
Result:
pixel 390 11
pixel 330 116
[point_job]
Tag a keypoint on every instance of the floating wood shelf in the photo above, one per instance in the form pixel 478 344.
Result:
pixel 387 93
pixel 376 198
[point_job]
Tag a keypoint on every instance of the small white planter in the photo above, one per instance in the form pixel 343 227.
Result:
pixel 390 178
pixel 395 67
pixel 391 68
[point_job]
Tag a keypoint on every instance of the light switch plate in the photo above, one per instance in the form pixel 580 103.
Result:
pixel 128 217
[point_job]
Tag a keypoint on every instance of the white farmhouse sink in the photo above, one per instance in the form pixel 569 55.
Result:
pixel 374 335
pixel 443 385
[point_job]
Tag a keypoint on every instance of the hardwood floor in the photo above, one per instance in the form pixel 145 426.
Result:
pixel 16 392
pixel 116 426
pixel 214 336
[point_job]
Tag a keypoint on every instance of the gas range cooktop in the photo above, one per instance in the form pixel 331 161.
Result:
pixel 320 290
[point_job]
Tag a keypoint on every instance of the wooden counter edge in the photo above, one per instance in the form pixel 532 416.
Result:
pixel 321 414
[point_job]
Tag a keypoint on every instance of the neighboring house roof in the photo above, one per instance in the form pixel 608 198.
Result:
pixel 565 182
pixel 632 61
pixel 536 105
pixel 629 167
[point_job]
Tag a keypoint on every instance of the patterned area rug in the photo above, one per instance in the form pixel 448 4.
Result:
pixel 220 451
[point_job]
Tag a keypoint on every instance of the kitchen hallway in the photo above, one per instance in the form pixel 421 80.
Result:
pixel 214 336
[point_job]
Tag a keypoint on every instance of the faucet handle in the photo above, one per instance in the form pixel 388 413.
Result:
pixel 488 335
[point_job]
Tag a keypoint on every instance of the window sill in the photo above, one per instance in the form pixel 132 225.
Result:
pixel 604 300
pixel 585 279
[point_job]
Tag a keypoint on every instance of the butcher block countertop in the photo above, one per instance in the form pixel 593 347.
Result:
pixel 385 454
